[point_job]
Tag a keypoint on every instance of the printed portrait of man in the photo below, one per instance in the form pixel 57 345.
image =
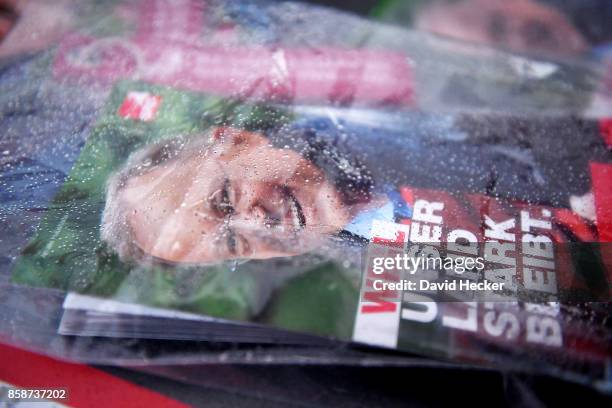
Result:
pixel 230 193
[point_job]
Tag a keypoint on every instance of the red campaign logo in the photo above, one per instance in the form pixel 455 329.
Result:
pixel 141 106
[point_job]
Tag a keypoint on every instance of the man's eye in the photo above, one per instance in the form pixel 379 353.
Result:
pixel 537 32
pixel 224 204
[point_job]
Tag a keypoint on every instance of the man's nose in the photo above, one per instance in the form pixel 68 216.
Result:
pixel 253 219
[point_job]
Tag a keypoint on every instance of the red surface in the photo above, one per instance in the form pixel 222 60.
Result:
pixel 86 385
pixel 605 126
pixel 601 175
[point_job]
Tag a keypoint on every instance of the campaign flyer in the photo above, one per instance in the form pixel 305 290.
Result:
pixel 269 214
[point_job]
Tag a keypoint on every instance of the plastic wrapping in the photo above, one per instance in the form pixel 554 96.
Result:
pixel 220 171
pixel 208 46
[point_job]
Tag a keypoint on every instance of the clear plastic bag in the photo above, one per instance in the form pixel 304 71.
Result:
pixel 218 170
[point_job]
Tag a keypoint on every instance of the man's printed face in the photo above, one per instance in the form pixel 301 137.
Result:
pixel 519 25
pixel 237 198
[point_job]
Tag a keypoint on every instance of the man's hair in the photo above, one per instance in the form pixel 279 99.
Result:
pixel 350 177
pixel 324 148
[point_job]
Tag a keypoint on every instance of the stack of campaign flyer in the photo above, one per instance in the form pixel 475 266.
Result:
pixel 192 216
